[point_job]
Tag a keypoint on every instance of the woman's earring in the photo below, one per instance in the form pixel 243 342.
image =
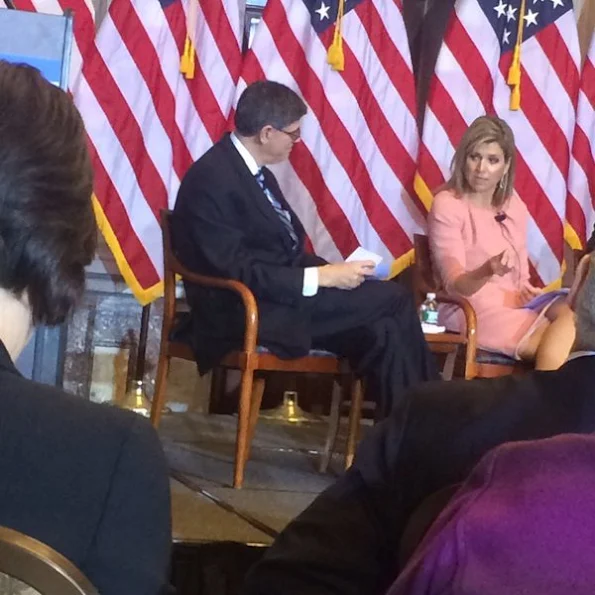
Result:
pixel 502 182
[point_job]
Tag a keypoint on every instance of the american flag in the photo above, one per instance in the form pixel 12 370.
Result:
pixel 580 213
pixel 84 26
pixel 470 80
pixel 350 180
pixel 147 122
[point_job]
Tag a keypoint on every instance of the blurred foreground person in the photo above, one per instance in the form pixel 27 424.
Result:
pixel 90 481
pixel 347 541
pixel 523 522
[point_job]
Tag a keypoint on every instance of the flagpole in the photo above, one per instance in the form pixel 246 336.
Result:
pixel 135 398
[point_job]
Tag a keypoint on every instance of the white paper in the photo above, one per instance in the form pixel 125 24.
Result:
pixel 363 254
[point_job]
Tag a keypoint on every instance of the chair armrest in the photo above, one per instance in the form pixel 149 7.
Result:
pixel 471 322
pixel 246 295
pixel 465 305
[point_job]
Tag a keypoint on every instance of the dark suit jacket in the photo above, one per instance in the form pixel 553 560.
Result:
pixel 591 242
pixel 223 225
pixel 90 481
pixel 346 542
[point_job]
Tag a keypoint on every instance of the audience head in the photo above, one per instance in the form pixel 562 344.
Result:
pixel 47 227
pixel 485 160
pixel 523 522
pixel 268 116
pixel 584 309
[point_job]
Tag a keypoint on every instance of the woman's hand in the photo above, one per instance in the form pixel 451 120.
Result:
pixel 528 292
pixel 500 264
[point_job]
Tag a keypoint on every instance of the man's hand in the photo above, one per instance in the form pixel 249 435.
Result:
pixel 346 275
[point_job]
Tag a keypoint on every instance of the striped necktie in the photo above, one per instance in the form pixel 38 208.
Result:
pixel 281 212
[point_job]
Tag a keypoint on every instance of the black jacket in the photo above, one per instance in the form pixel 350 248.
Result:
pixel 224 226
pixel 346 542
pixel 89 480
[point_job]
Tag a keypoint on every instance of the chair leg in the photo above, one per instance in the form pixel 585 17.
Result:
pixel 243 427
pixel 449 364
pixel 258 385
pixel 470 364
pixel 333 426
pixel 159 395
pixel 355 414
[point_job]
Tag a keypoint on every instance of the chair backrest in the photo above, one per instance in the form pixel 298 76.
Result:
pixel 580 274
pixel 424 279
pixel 40 567
pixel 171 267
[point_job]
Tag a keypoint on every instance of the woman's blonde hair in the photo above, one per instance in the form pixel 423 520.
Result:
pixel 485 129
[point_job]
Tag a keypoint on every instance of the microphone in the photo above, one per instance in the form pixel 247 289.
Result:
pixel 500 216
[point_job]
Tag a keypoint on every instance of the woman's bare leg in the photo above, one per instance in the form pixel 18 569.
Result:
pixel 551 343
pixel 558 338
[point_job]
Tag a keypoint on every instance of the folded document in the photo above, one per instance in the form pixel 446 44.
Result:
pixel 539 302
pixel 381 270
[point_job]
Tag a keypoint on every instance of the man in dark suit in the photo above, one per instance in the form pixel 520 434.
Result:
pixel 88 480
pixel 347 541
pixel 231 220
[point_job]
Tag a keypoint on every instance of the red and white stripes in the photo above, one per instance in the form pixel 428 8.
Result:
pixel 580 208
pixel 350 179
pixel 147 123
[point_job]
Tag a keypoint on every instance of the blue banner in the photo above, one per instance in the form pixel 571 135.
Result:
pixel 41 40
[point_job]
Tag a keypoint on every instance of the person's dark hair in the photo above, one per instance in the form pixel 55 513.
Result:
pixel 267 103
pixel 48 232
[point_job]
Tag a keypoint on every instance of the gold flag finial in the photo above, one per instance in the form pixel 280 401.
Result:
pixel 514 72
pixel 335 56
pixel 187 59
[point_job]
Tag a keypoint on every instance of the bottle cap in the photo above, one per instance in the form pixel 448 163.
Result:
pixel 431 296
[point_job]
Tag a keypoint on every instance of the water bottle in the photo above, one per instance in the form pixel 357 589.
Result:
pixel 428 311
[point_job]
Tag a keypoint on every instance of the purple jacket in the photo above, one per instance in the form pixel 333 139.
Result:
pixel 522 523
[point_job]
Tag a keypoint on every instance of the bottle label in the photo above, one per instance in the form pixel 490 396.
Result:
pixel 430 316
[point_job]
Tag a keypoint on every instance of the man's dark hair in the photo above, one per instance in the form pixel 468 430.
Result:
pixel 48 231
pixel 266 103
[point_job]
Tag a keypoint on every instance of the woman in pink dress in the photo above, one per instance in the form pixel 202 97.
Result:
pixel 478 237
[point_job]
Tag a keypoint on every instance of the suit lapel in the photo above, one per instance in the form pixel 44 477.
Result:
pixel 257 196
pixel 249 184
pixel 274 188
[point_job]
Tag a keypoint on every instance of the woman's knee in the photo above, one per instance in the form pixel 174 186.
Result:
pixel 528 350
pixel 560 310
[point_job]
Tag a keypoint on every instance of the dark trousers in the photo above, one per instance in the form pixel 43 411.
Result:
pixel 377 329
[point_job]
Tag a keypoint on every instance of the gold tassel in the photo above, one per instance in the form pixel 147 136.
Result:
pixel 335 56
pixel 187 65
pixel 184 58
pixel 514 72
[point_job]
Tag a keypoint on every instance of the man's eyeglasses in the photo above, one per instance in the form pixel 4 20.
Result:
pixel 294 135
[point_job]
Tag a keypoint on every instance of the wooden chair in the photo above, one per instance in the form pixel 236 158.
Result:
pixel 250 359
pixel 449 343
pixel 579 276
pixel 39 566
pixel 479 363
